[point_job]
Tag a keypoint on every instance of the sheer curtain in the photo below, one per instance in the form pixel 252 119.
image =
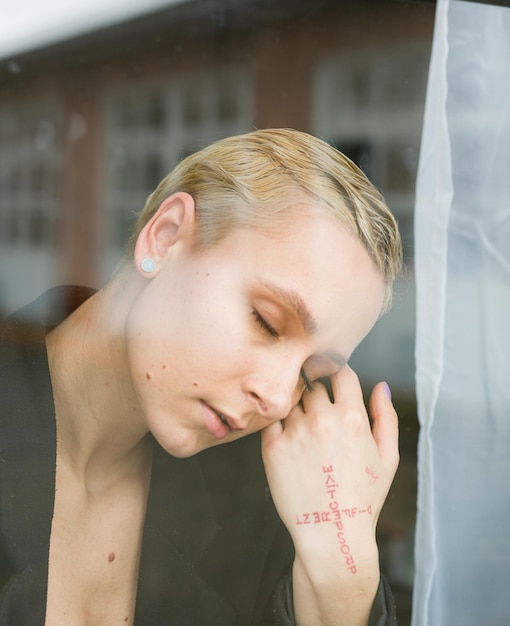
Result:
pixel 462 234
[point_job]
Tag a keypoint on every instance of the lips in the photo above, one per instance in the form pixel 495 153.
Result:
pixel 229 421
pixel 222 418
pixel 217 423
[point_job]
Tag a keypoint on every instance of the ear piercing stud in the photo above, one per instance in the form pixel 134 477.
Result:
pixel 148 265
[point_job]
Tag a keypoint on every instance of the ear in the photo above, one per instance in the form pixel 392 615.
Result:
pixel 169 228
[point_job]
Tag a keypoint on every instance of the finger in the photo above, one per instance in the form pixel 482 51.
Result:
pixel 346 387
pixel 385 424
pixel 271 433
pixel 316 397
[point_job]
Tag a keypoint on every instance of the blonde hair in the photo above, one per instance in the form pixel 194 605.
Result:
pixel 253 180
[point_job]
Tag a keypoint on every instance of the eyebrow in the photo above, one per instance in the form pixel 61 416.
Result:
pixel 295 302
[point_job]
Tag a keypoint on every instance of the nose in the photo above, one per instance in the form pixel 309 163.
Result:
pixel 274 394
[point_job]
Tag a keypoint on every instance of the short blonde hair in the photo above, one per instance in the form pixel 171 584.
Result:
pixel 253 180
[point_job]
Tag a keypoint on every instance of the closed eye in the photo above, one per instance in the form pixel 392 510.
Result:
pixel 265 325
pixel 270 330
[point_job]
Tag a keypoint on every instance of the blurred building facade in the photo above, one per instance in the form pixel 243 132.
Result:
pixel 88 127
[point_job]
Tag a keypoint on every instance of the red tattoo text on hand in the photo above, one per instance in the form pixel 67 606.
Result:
pixel 373 475
pixel 317 517
pixel 345 549
pixel 336 516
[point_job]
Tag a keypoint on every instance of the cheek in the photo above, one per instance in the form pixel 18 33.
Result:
pixel 187 342
pixel 150 343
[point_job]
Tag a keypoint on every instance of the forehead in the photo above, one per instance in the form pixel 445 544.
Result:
pixel 311 263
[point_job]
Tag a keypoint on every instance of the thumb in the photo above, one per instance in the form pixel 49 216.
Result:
pixel 384 424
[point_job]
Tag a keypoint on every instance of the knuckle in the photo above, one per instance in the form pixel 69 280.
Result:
pixel 354 417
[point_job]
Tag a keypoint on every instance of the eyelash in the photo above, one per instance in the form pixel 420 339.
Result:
pixel 265 325
pixel 306 380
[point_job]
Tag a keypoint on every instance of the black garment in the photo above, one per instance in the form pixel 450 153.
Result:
pixel 214 551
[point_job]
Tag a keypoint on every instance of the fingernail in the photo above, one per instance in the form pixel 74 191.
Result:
pixel 387 390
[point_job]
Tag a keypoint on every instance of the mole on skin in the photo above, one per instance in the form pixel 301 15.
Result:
pixel 111 557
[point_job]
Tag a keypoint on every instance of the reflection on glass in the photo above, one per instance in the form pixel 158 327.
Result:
pixel 353 73
pixel 191 107
pixel 401 163
pixel 156 113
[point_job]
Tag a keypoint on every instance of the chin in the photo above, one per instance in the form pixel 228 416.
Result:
pixel 180 447
pixel 181 450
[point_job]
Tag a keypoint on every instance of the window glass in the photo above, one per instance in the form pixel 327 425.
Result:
pixel 90 124
pixel 29 194
pixel 149 128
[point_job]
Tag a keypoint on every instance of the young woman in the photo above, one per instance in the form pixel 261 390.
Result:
pixel 257 267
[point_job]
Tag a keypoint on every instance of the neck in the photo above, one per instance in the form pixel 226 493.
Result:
pixel 101 433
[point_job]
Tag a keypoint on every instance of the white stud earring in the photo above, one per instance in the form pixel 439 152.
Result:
pixel 148 265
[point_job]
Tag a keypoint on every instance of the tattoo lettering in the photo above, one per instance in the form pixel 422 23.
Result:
pixel 336 516
pixel 372 473
pixel 337 521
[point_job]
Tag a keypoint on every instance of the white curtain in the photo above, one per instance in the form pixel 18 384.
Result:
pixel 462 235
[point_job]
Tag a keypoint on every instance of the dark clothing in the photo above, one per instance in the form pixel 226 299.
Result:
pixel 214 551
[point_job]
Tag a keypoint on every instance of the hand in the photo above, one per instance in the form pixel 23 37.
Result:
pixel 329 473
